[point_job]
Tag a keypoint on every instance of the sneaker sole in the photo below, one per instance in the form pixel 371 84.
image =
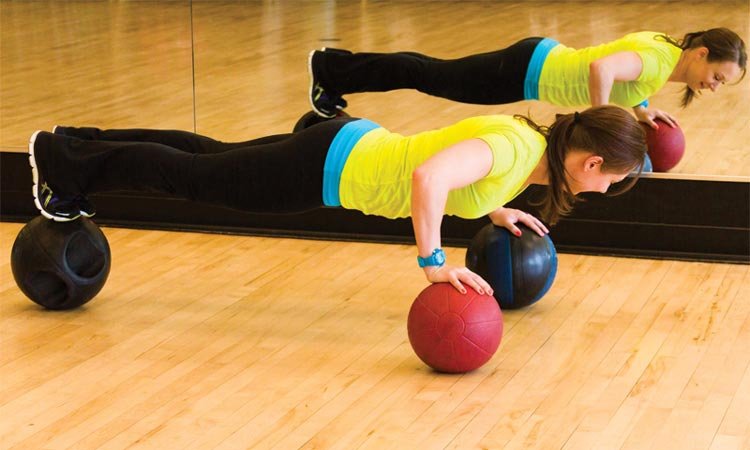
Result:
pixel 312 85
pixel 35 187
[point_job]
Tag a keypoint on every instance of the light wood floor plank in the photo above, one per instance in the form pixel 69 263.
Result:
pixel 215 341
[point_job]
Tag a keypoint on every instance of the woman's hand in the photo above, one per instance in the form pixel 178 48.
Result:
pixel 509 217
pixel 458 276
pixel 649 115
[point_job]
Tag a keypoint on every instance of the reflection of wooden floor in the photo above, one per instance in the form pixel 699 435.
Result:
pixel 120 64
pixel 211 341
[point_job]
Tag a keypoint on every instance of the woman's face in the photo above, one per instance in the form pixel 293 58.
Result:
pixel 703 74
pixel 584 173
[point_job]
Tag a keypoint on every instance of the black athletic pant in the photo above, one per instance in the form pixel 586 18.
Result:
pixel 274 174
pixel 487 79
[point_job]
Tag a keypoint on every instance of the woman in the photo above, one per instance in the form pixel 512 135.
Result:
pixel 469 169
pixel 624 72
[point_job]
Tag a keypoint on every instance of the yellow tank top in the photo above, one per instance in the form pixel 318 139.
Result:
pixel 377 176
pixel 564 79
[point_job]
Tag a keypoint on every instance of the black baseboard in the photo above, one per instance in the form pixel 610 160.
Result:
pixel 660 218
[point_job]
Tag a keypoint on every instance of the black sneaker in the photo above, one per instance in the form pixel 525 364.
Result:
pixel 324 104
pixel 86 208
pixel 51 203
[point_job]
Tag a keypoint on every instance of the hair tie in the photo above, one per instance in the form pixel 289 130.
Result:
pixel 576 117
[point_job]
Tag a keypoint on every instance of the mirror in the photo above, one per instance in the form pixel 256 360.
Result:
pixel 251 63
pixel 108 64
pixel 236 70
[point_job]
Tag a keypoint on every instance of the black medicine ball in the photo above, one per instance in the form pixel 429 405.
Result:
pixel 60 265
pixel 520 269
pixel 310 118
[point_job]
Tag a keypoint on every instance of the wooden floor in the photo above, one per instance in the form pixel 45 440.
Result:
pixel 236 70
pixel 203 341
pixel 213 341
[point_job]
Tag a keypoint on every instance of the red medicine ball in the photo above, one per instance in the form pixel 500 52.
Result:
pixel 665 145
pixel 454 332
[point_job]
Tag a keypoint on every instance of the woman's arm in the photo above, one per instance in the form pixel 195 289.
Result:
pixel 603 72
pixel 457 166
pixel 621 66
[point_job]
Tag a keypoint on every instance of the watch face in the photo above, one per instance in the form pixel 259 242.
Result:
pixel 440 257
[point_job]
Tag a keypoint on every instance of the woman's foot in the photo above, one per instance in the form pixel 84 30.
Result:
pixel 51 197
pixel 325 104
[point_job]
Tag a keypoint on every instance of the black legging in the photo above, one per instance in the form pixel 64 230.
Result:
pixel 274 174
pixel 487 79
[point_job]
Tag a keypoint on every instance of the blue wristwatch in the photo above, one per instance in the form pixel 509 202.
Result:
pixel 437 258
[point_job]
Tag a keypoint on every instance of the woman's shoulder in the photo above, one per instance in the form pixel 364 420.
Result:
pixel 490 124
pixel 490 119
pixel 514 129
pixel 647 38
pixel 644 34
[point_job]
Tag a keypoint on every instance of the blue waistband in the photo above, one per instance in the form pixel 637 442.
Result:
pixel 338 152
pixel 534 71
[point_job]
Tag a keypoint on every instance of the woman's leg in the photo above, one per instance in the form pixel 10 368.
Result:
pixel 488 78
pixel 283 176
pixel 178 139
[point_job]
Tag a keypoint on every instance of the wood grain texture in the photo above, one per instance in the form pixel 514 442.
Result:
pixel 202 341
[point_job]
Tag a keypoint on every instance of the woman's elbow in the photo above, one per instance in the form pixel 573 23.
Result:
pixel 598 70
pixel 595 68
pixel 421 176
